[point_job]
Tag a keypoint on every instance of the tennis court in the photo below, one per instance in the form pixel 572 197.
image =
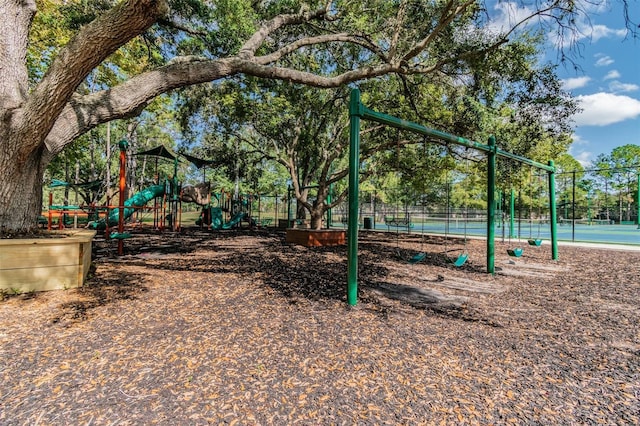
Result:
pixel 581 231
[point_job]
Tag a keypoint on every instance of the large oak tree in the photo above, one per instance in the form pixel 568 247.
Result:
pixel 204 42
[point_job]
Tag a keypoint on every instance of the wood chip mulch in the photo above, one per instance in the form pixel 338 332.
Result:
pixel 243 328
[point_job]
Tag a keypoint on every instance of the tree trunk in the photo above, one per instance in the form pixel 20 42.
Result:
pixel 14 27
pixel 316 218
pixel 92 166
pixel 317 213
pixel 301 212
pixel 20 193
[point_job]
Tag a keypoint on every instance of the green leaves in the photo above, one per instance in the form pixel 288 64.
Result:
pixel 457 76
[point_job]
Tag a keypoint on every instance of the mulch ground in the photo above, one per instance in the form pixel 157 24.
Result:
pixel 243 328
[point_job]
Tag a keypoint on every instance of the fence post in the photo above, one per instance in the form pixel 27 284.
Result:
pixel 512 213
pixel 638 201
pixel 552 212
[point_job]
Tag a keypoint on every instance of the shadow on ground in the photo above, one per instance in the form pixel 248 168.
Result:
pixel 102 290
pixel 312 274
pixel 317 274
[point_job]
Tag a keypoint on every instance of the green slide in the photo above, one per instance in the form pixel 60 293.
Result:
pixel 139 199
pixel 234 221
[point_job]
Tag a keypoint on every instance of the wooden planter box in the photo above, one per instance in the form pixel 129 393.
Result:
pixel 316 238
pixel 40 264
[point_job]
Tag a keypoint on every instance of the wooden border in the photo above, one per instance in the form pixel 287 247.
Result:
pixel 41 264
pixel 316 237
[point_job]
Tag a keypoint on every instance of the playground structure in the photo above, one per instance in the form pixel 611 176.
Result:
pixel 103 217
pixel 219 211
pixel 222 211
pixel 358 111
pixel 167 196
pixel 163 198
pixel 169 210
pixel 237 209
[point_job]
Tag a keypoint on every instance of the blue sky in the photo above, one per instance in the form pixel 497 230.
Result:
pixel 603 73
pixel 608 84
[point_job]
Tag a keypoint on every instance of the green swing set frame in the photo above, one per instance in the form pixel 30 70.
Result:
pixel 358 111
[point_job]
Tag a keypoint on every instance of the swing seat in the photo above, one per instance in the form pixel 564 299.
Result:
pixel 461 260
pixel 417 258
pixel 516 252
pixel 535 242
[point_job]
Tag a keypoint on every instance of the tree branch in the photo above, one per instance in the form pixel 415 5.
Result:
pixel 90 47
pixel 83 113
pixel 249 48
pixel 185 28
pixel 446 18
pixel 325 38
pixel 398 28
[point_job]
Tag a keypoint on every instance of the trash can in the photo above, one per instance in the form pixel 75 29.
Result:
pixel 368 223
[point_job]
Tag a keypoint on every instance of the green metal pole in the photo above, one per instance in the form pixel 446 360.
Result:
pixel 638 198
pixel 512 213
pixel 368 114
pixel 355 110
pixel 500 208
pixel 491 189
pixel 552 212
pixel 573 207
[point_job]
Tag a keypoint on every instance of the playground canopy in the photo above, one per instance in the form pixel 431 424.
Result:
pixel 160 151
pixel 198 162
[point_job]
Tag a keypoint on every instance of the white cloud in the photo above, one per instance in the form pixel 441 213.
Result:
pixel 603 60
pixel 583 156
pixel 577 140
pixel 584 28
pixel 612 75
pixel 594 7
pixel 575 83
pixel 508 15
pixel 602 109
pixel 601 31
pixel 618 87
